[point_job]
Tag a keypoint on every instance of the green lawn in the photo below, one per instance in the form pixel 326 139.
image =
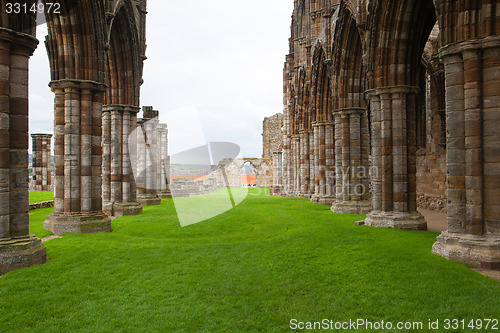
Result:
pixel 253 268
pixel 41 196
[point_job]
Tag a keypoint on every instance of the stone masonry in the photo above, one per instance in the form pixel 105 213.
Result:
pixel 163 171
pixel 17 247
pixel 119 188
pixel 42 161
pixel 375 123
pixel 147 158
pixel 96 50
pixel 273 151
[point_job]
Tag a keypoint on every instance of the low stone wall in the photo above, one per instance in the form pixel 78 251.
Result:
pixel 40 205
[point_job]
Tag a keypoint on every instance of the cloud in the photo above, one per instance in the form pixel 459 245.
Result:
pixel 223 57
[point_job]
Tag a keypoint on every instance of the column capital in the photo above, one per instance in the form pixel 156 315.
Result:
pixel 78 84
pixel 121 108
pixel 347 111
pixel 322 123
pixel 469 45
pixel 392 90
pixel 19 39
pixel 48 136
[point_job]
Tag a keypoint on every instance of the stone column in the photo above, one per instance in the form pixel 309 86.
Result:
pixel 17 247
pixel 312 163
pixel 277 187
pixel 304 164
pixel 317 163
pixel 324 163
pixel 287 164
pixel 295 190
pixel 147 156
pixel 394 159
pixel 118 124
pixel 329 165
pixel 78 158
pixel 473 155
pixel 352 169
pixel 42 161
pixel 164 163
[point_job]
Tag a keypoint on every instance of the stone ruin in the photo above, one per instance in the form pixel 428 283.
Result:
pixel 41 162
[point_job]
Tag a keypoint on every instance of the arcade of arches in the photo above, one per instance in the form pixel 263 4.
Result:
pixel 390 103
pixel 96 51
pixel 387 103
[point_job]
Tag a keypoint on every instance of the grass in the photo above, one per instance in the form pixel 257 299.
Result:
pixel 37 217
pixel 36 197
pixel 252 268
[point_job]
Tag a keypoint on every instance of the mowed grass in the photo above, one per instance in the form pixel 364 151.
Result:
pixel 36 197
pixel 253 268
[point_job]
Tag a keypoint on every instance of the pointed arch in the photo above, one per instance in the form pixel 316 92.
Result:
pixel 397 34
pixel 124 69
pixel 349 75
pixel 76 43
pixel 321 86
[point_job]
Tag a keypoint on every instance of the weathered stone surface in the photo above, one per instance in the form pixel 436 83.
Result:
pixel 42 162
pixel 21 252
pixel 86 223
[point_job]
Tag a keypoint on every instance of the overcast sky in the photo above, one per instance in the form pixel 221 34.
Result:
pixel 215 66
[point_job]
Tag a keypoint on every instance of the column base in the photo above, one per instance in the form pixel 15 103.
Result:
pixel 352 207
pixel 480 251
pixel 149 201
pixel 304 195
pixel 165 195
pixel 275 190
pixel 122 208
pixel 16 253
pixel 322 199
pixel 290 194
pixel 396 220
pixel 84 223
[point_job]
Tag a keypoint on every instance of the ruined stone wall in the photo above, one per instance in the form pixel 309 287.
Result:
pixel 42 162
pixel 408 90
pixel 271 174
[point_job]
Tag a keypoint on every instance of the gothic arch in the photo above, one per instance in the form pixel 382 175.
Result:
pixel 350 116
pixel 321 86
pixel 397 34
pixel 124 69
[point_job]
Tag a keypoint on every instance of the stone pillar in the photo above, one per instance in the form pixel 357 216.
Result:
pixel 312 163
pixel 17 247
pixel 324 163
pixel 304 164
pixel 352 169
pixel 147 156
pixel 287 164
pixel 78 158
pixel 291 186
pixel 473 155
pixel 329 165
pixel 393 122
pixel 118 179
pixel 296 166
pixel 277 187
pixel 42 161
pixel 163 170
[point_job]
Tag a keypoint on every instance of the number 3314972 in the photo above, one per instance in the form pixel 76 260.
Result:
pixel 41 8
